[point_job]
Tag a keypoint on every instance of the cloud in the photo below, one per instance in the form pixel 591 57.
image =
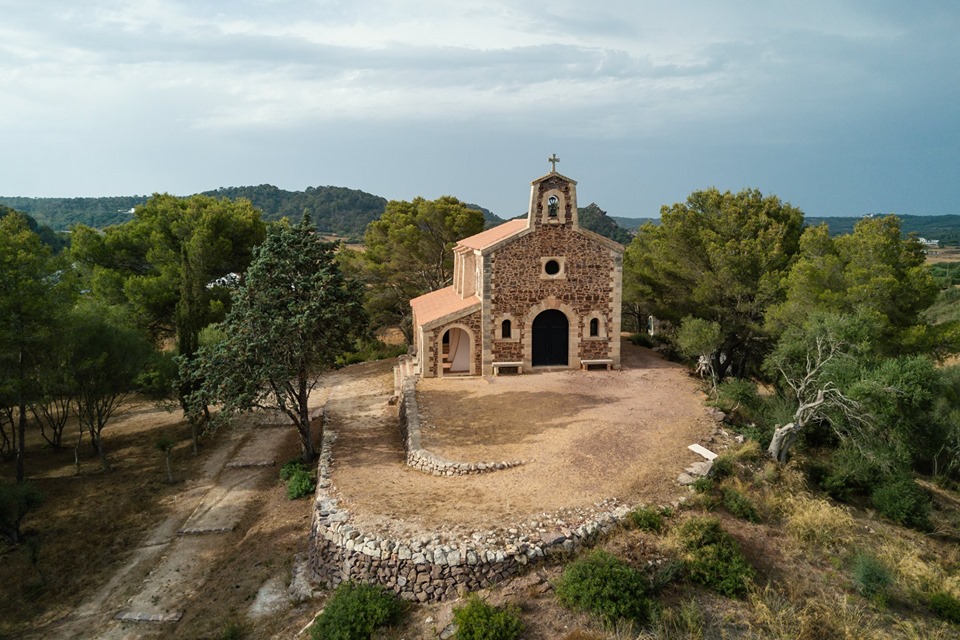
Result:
pixel 708 91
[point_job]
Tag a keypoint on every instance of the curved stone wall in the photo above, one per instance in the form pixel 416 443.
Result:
pixel 426 461
pixel 437 566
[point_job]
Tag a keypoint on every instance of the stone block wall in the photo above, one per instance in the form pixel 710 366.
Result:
pixel 438 565
pixel 432 344
pixel 590 284
pixel 422 459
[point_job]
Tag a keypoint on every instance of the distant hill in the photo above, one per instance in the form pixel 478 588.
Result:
pixel 48 236
pixel 338 210
pixel 347 212
pixel 595 219
pixel 632 224
pixel 490 219
pixel 945 228
pixel 61 213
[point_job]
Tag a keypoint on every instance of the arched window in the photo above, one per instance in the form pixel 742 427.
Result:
pixel 505 329
pixel 594 327
pixel 553 206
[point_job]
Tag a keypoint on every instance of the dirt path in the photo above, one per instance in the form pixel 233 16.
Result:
pixel 171 566
pixel 584 436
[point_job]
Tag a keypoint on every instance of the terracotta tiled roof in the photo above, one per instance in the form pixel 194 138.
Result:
pixel 440 303
pixel 491 236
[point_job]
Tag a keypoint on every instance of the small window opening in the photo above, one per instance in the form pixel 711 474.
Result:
pixel 553 206
pixel 594 327
pixel 505 329
pixel 552 267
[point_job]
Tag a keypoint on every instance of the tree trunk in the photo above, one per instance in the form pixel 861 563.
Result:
pixel 169 472
pixel 103 454
pixel 783 439
pixel 303 411
pixel 21 433
pixel 22 419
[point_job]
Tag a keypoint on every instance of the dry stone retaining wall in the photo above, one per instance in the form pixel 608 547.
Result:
pixel 438 565
pixel 426 461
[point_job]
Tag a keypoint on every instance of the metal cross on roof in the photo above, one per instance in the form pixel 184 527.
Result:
pixel 553 160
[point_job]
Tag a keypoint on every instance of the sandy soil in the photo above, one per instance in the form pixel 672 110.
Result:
pixel 109 542
pixel 584 436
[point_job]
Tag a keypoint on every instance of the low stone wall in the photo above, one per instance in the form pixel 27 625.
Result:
pixel 437 566
pixel 421 459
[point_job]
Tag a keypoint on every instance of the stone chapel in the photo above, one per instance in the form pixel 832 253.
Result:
pixel 535 292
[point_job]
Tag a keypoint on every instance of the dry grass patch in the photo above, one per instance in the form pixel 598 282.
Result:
pixel 917 568
pixel 816 522
pixel 825 617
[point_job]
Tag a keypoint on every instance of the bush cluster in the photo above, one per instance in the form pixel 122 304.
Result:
pixel 871 577
pixel 903 502
pixel 605 586
pixel 354 612
pixel 713 558
pixel 641 340
pixel 739 505
pixel 647 519
pixel 478 620
pixel 368 350
pixel 945 606
pixel 299 481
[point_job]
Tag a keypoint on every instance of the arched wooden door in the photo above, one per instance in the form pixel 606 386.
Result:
pixel 551 339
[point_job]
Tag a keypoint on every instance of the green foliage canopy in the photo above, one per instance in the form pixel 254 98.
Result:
pixel 719 257
pixel 409 252
pixel 293 315
pixel 34 289
pixel 874 270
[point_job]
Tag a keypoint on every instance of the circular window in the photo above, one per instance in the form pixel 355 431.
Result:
pixel 552 267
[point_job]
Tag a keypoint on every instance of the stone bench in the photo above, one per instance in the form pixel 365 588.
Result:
pixel 499 365
pixel 606 363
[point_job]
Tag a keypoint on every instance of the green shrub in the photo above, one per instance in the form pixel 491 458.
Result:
pixel 850 474
pixel 871 577
pixel 299 484
pixel 739 505
pixel 158 379
pixel 713 558
pixel 366 350
pixel 233 631
pixel 903 502
pixel 606 587
pixel 641 340
pixel 738 395
pixel 702 485
pixel 477 620
pixel 354 612
pixel 646 519
pixel 664 575
pixel 722 467
pixel 945 606
pixel 291 466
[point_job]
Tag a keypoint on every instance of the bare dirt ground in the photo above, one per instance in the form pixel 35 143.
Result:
pixel 109 544
pixel 584 437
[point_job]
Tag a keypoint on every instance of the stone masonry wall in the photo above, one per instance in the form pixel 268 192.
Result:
pixel 432 345
pixel 587 287
pixel 424 460
pixel 439 565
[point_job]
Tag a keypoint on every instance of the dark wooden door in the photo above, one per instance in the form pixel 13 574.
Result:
pixel 551 331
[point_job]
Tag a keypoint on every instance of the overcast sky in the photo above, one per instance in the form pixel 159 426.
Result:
pixel 839 107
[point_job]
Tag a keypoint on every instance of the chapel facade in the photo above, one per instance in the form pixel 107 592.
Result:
pixel 536 292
